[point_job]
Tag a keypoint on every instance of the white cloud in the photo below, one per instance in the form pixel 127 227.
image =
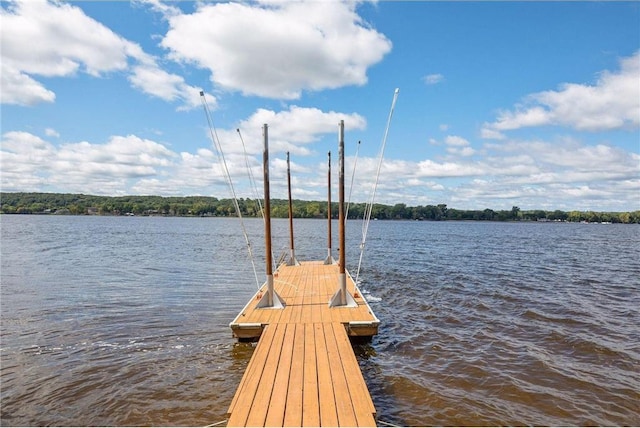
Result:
pixel 613 102
pixel 458 146
pixel 158 6
pixel 41 38
pixel 535 116
pixel 170 87
pixel 461 151
pixel 35 149
pixel 429 168
pixel 31 163
pixel 24 161
pixel 45 39
pixel 128 156
pixel 277 49
pixel 19 88
pixel 415 182
pixel 563 174
pixel 454 140
pixel 491 134
pixel 58 40
pixel 572 157
pixel 50 132
pixel 432 79
pixel 192 174
pixel 289 130
pixel 126 164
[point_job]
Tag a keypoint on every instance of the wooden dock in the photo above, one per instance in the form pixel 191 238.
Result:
pixel 303 371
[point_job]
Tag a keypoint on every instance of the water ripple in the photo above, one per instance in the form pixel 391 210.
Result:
pixel 124 321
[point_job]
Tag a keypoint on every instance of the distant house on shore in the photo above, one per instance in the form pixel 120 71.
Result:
pixel 92 211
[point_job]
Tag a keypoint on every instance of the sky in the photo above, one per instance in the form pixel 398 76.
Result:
pixel 500 104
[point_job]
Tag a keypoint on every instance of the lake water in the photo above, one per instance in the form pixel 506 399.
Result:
pixel 124 320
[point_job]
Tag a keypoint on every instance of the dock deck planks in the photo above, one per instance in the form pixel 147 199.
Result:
pixel 306 289
pixel 303 371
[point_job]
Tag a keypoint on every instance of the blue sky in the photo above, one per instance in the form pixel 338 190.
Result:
pixel 533 104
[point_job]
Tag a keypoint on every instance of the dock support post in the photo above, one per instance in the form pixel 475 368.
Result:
pixel 292 251
pixel 342 297
pixel 270 299
pixel 329 260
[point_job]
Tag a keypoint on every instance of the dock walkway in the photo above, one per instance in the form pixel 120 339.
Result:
pixel 303 371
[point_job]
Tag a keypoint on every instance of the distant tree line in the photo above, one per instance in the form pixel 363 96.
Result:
pixel 203 206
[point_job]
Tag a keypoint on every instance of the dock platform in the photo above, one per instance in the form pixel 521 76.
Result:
pixel 303 371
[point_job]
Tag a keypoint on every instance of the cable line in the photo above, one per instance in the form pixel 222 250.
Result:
pixel 252 180
pixel 369 207
pixel 353 174
pixel 227 175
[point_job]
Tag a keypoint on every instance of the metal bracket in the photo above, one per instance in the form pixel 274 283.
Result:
pixel 270 298
pixel 342 297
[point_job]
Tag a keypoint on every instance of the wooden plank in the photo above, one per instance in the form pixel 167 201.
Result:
pixel 294 394
pixel 307 298
pixel 288 277
pixel 325 316
pixel 311 414
pixel 362 403
pixel 326 290
pixel 278 401
pixel 315 302
pixel 326 397
pixel 243 399
pixel 295 312
pixel 344 406
pixel 258 411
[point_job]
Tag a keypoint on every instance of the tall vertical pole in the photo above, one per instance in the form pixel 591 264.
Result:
pixel 292 252
pixel 329 259
pixel 341 222
pixel 342 297
pixel 270 299
pixel 267 203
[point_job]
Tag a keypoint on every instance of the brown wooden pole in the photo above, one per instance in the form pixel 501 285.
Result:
pixel 341 198
pixel 270 299
pixel 267 206
pixel 342 296
pixel 329 259
pixel 292 254
pixel 267 202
